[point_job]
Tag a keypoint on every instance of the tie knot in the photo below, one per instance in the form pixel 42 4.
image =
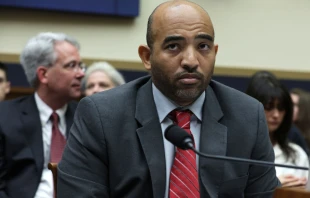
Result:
pixel 182 118
pixel 55 117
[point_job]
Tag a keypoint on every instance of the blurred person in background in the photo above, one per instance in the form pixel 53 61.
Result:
pixel 279 111
pixel 301 118
pixel 38 133
pixel 5 85
pixel 294 134
pixel 100 76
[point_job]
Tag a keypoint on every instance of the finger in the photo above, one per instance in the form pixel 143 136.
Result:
pixel 289 180
pixel 289 176
pixel 295 184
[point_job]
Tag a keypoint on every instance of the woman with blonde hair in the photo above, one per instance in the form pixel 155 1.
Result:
pixel 101 76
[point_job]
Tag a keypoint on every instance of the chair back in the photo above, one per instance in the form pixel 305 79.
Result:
pixel 53 168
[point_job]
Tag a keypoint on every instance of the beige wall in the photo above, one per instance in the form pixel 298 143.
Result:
pixel 253 34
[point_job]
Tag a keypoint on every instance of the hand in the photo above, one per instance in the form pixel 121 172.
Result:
pixel 292 181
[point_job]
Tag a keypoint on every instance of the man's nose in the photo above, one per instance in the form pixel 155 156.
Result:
pixel 190 59
pixel 80 73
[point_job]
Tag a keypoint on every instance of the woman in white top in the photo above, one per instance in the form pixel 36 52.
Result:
pixel 279 111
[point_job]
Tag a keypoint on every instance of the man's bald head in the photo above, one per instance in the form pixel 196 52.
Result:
pixel 160 9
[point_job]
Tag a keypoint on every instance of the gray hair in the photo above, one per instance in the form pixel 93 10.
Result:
pixel 109 70
pixel 39 51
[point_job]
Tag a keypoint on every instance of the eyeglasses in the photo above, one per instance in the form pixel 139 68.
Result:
pixel 75 66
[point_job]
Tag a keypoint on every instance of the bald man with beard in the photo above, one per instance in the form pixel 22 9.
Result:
pixel 117 146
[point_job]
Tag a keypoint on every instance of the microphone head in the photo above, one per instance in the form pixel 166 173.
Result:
pixel 178 137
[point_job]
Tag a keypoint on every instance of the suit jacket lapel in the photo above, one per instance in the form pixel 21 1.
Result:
pixel 69 116
pixel 151 138
pixel 213 140
pixel 33 130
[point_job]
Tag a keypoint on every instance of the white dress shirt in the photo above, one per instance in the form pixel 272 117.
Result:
pixel 164 106
pixel 300 160
pixel 46 186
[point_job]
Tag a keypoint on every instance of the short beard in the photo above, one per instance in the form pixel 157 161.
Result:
pixel 167 86
pixel 187 95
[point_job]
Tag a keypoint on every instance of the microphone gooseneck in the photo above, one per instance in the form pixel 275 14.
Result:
pixel 180 138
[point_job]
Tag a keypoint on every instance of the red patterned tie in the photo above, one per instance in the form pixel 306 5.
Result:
pixel 58 140
pixel 183 175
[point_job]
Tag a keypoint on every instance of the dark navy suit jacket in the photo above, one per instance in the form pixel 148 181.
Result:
pixel 21 146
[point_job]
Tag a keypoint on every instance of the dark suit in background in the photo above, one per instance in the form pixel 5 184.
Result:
pixel 21 146
pixel 116 146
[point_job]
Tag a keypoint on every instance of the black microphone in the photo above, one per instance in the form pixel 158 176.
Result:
pixel 180 138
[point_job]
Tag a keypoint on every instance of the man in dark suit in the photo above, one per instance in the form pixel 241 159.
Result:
pixel 117 147
pixel 33 129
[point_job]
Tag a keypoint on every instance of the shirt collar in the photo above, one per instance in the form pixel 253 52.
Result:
pixel 45 111
pixel 164 105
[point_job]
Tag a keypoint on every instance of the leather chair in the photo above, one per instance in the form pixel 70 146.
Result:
pixel 53 168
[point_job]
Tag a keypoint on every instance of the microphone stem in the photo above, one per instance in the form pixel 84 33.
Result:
pixel 254 162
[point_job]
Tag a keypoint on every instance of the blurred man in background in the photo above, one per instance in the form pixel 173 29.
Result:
pixel 38 133
pixel 5 85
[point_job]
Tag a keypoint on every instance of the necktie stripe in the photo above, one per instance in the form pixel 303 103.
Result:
pixel 188 153
pixel 180 183
pixel 186 172
pixel 174 194
pixel 186 161
pixel 191 178
pixel 185 124
pixel 178 191
pixel 181 119
pixel 191 154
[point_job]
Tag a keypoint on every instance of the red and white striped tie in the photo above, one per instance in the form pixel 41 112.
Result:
pixel 183 175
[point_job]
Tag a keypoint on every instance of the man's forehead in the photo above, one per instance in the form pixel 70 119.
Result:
pixel 175 7
pixel 173 17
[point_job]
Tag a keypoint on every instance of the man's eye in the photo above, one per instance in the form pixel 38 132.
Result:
pixel 172 46
pixel 72 64
pixel 204 46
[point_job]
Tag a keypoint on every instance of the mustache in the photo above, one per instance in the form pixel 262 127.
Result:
pixel 186 74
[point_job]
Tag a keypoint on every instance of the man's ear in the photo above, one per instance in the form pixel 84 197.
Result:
pixel 145 55
pixel 42 74
pixel 216 47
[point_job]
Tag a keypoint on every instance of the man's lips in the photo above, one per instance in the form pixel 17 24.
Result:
pixel 76 85
pixel 189 78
